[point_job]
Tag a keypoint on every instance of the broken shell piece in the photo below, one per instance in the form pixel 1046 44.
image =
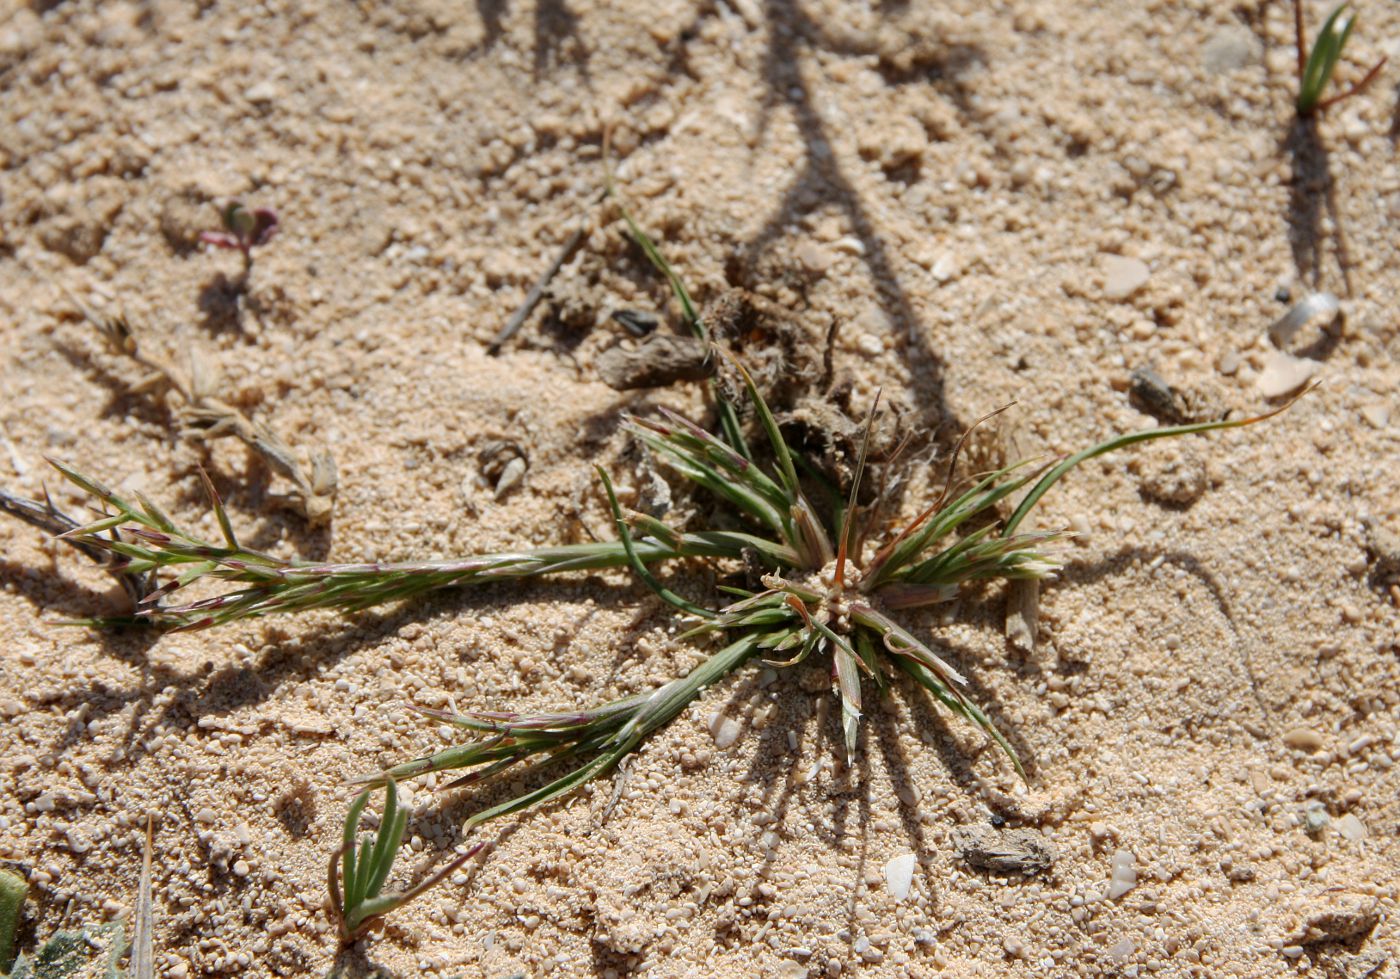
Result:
pixel 899 875
pixel 1124 875
pixel 1321 307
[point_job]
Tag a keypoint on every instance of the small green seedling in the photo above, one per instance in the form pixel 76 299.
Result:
pixel 357 878
pixel 243 230
pixel 1315 68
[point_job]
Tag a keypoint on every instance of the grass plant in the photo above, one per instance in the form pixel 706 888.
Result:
pixel 836 579
pixel 242 229
pixel 359 870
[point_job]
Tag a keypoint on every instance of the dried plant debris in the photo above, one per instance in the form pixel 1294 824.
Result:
pixel 1154 395
pixel 205 416
pixel 1023 614
pixel 1339 916
pixel 825 428
pixel 144 923
pixel 659 360
pixel 782 355
pixel 537 292
pixel 1003 851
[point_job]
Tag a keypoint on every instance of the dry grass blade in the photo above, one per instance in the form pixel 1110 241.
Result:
pixel 50 519
pixel 143 927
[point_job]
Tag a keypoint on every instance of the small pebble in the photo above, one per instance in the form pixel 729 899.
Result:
pixel 1121 951
pixel 264 91
pixel 241 868
pixel 1123 276
pixel 1229 49
pixel 1303 739
pixel 814 257
pixel 869 344
pixel 945 269
pixel 725 730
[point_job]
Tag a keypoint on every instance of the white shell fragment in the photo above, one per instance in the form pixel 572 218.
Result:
pixel 1283 373
pixel 899 875
pixel 725 730
pixel 1124 875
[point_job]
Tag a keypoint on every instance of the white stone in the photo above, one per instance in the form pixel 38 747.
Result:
pixel 899 875
pixel 1123 276
pixel 945 269
pixel 1230 49
pixel 1377 415
pixel 1351 827
pixel 264 91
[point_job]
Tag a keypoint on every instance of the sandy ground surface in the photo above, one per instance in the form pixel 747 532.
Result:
pixel 991 202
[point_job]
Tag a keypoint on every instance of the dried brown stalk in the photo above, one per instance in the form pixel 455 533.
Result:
pixel 204 416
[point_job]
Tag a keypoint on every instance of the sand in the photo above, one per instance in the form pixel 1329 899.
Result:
pixel 1028 203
